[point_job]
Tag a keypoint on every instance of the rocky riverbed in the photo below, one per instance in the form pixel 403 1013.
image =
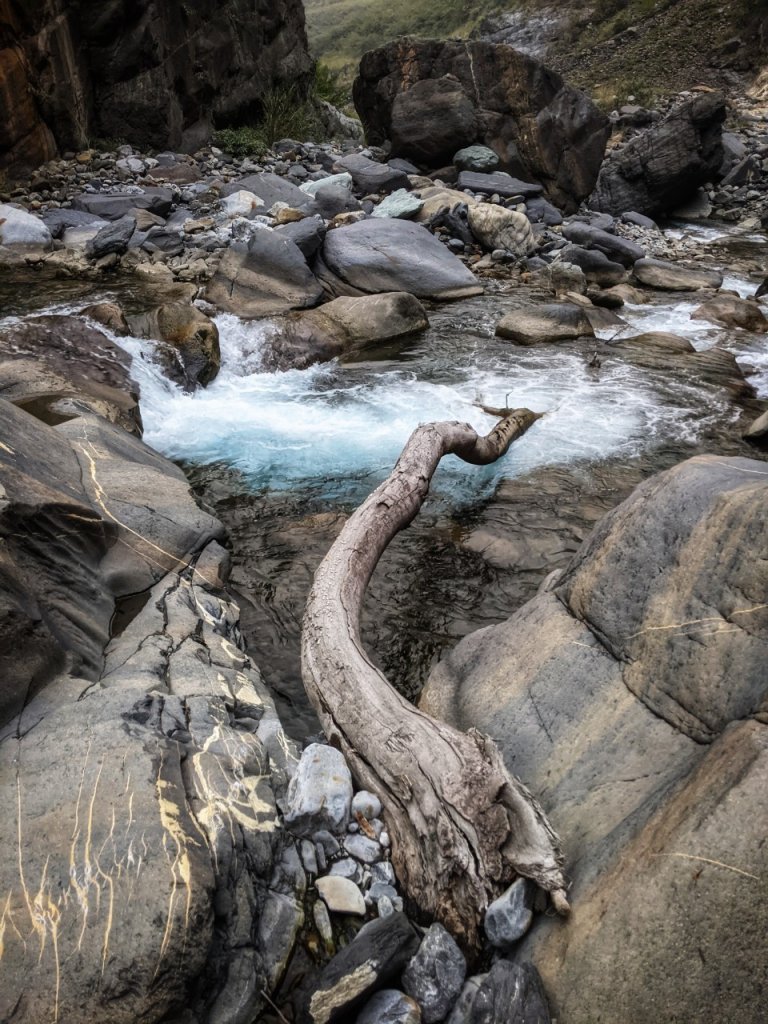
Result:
pixel 276 328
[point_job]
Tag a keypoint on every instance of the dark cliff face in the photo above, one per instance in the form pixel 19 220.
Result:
pixel 152 72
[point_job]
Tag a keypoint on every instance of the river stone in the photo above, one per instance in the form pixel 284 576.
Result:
pixel 732 311
pixel 541 211
pixel 370 176
pixel 333 200
pixel 393 255
pixel 674 277
pixel 113 207
pixel 435 975
pixel 390 1007
pixel 320 792
pixel 509 917
pixel 597 268
pixel 400 204
pixel 194 357
pixel 367 804
pixel 312 187
pixel 264 275
pixel 374 958
pixel 21 230
pixel 270 189
pixel 344 327
pixel 510 992
pixel 499 183
pixel 535 325
pixel 349 868
pixel 617 249
pixel 341 895
pixel 307 234
pixel 495 227
pixel 479 159
pixel 363 849
pixel 757 432
pixel 58 220
pixel 239 204
pixel 113 238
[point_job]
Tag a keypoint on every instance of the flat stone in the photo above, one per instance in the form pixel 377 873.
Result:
pixel 617 249
pixel 363 849
pixel 113 207
pixel 499 183
pixel 509 917
pixel 271 189
pixel 435 975
pixel 349 868
pixel 674 277
pixel 533 325
pixel 390 1007
pixel 400 204
pixel 341 895
pixel 370 176
pixel 320 792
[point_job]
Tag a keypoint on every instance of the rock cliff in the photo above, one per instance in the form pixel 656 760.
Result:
pixel 153 73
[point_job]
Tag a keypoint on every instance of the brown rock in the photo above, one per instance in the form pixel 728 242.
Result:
pixel 732 311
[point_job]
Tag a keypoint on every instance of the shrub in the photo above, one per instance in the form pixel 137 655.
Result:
pixel 329 87
pixel 240 142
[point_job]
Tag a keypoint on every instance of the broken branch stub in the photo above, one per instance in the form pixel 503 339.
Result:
pixel 462 828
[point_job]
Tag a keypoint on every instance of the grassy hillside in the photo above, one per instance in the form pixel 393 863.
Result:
pixel 614 48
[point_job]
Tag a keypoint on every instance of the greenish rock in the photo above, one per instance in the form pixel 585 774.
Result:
pixel 401 205
pixel 480 159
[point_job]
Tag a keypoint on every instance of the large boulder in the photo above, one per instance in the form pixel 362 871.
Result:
pixel 385 255
pixel 431 97
pixel 495 227
pixel 265 274
pixel 675 277
pixel 663 167
pixel 630 695
pixel 191 352
pixel 343 327
pixel 540 324
pixel 22 230
pixel 733 311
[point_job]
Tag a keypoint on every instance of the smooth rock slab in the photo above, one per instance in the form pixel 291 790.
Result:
pixel 341 895
pixel 320 792
pixel 674 277
pixel 556 321
pixel 390 1007
pixel 393 255
pixel 370 176
pixel 435 976
pixel 509 917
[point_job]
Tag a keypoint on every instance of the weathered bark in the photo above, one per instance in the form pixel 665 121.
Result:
pixel 461 827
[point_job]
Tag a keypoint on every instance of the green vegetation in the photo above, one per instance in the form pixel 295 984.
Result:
pixel 285 114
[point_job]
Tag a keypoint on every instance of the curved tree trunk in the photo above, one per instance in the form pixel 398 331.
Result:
pixel 461 827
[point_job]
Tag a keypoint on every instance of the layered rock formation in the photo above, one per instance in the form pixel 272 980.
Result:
pixel 430 98
pixel 631 696
pixel 154 73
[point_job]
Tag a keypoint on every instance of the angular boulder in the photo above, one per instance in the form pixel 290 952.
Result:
pixel 388 255
pixel 370 176
pixel 265 274
pixel 663 167
pixel 431 97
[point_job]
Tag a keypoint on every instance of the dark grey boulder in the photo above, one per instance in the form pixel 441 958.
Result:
pixel 263 275
pixel 374 959
pixel 335 199
pixel 370 176
pixel 639 220
pixel 307 234
pixel 57 221
pixel 112 239
pixel 663 167
pixel 390 1007
pixel 511 993
pixel 617 249
pixel 431 119
pixel 435 976
pixel 598 269
pixel 384 255
pixel 112 207
pixel 271 189
pixel 509 917
pixel 161 239
pixel 541 211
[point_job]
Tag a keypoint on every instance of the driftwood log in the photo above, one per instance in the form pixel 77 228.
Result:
pixel 461 827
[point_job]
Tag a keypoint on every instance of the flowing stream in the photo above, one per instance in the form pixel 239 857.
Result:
pixel 283 457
